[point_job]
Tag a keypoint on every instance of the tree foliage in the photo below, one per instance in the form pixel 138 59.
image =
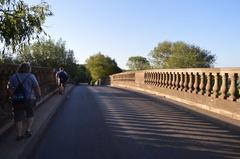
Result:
pixel 180 55
pixel 20 23
pixel 101 66
pixel 84 74
pixel 138 63
pixel 48 53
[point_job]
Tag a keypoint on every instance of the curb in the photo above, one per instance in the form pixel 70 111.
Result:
pixel 32 144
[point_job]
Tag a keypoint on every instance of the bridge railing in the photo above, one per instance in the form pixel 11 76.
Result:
pixel 215 89
pixel 45 77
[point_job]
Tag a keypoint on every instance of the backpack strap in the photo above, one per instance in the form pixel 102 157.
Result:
pixel 21 82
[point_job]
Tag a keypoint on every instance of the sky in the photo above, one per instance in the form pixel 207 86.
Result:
pixel 124 28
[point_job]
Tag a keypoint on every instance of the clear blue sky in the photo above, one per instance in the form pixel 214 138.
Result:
pixel 124 28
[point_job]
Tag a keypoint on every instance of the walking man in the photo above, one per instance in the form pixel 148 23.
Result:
pixel 24 90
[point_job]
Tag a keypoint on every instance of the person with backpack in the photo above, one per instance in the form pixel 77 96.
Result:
pixel 24 90
pixel 61 78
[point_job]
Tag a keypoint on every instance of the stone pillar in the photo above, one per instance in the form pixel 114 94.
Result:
pixel 152 78
pixel 186 82
pixel 233 87
pixel 173 80
pixel 161 79
pixel 216 85
pixel 202 84
pixel 177 81
pixel 156 79
pixel 169 80
pixel 196 83
pixel 208 86
pixel 190 84
pixel 224 87
pixel 181 83
pixel 144 78
pixel 166 79
pixel 148 77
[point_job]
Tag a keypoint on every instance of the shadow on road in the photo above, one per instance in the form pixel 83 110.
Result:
pixel 164 127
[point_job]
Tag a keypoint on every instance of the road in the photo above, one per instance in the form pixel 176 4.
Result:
pixel 111 123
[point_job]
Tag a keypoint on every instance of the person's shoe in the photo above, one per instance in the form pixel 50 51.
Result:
pixel 18 138
pixel 28 134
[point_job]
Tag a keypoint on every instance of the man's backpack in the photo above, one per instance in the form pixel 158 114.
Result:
pixel 19 96
pixel 63 76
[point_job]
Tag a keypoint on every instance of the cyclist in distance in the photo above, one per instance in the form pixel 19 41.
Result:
pixel 61 79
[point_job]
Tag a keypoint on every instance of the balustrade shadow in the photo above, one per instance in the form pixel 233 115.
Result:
pixel 172 131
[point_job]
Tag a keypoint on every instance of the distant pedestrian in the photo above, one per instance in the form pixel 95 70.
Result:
pixel 24 90
pixel 61 79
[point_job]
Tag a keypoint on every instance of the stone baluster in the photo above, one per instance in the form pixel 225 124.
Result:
pixel 150 78
pixel 196 83
pixel 158 79
pixel 208 86
pixel 181 83
pixel 166 79
pixel 177 81
pixel 216 85
pixel 147 78
pixel 169 80
pixel 202 84
pixel 233 87
pixel 185 82
pixel 144 78
pixel 161 79
pixel 173 80
pixel 154 79
pixel 190 84
pixel 224 87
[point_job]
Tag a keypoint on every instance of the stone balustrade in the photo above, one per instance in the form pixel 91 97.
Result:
pixel 45 77
pixel 209 88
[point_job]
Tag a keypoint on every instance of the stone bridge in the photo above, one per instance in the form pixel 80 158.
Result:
pixel 151 114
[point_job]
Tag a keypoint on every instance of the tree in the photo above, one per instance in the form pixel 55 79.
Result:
pixel 20 23
pixel 101 66
pixel 84 74
pixel 46 52
pixel 181 55
pixel 160 54
pixel 138 63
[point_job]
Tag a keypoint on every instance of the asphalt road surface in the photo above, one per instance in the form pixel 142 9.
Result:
pixel 111 123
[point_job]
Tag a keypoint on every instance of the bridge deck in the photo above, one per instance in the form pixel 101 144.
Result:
pixel 107 123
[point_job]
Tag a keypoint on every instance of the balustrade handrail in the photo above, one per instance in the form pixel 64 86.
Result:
pixel 217 81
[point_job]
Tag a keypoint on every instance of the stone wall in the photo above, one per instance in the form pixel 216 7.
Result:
pixel 213 89
pixel 45 77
